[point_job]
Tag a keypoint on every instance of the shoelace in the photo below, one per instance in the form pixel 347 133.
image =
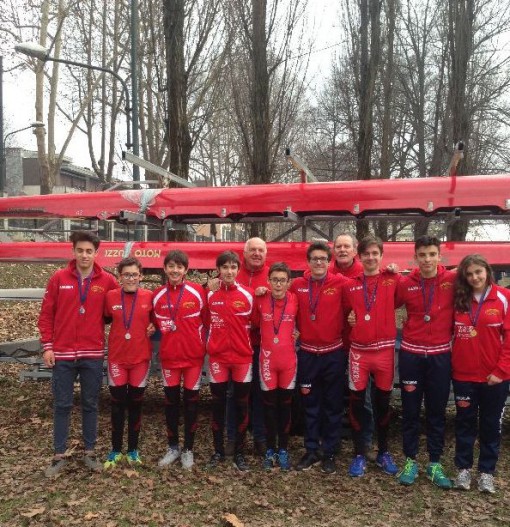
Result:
pixel 438 469
pixel 408 468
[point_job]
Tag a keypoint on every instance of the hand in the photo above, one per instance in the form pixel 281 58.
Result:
pixel 493 379
pixel 151 329
pixel 392 268
pixel 213 284
pixel 352 319
pixel 295 335
pixel 49 358
pixel 261 291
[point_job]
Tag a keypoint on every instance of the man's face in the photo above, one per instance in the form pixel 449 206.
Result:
pixel 130 277
pixel 175 272
pixel 318 263
pixel 428 258
pixel 344 251
pixel 85 254
pixel 228 272
pixel 371 259
pixel 279 282
pixel 255 254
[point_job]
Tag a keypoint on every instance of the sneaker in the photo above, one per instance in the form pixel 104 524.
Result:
pixel 133 458
pixel 112 459
pixel 172 455
pixel 409 472
pixel 57 464
pixel 269 459
pixel 91 462
pixel 187 459
pixel 240 463
pixel 385 461
pixel 358 467
pixel 328 465
pixel 486 483
pixel 283 459
pixel 215 461
pixel 436 474
pixel 463 480
pixel 308 460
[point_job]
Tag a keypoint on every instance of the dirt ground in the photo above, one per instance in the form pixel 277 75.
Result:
pixel 152 497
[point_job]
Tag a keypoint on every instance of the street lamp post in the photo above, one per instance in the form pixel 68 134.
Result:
pixel 39 52
pixel 3 171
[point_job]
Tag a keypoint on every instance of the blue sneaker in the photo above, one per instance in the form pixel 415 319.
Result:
pixel 358 467
pixel 409 472
pixel 112 459
pixel 269 459
pixel 133 458
pixel 284 459
pixel 385 461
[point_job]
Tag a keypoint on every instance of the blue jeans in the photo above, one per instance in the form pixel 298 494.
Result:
pixel 65 373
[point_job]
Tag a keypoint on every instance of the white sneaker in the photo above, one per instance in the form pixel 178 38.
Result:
pixel 187 459
pixel 463 480
pixel 172 455
pixel 56 466
pixel 486 483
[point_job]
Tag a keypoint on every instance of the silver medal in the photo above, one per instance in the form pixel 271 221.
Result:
pixel 276 340
pixel 82 310
pixel 127 336
pixel 312 317
pixel 172 325
pixel 426 318
pixel 367 317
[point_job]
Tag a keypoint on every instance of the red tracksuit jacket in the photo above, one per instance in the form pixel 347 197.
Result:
pixel 323 334
pixel 434 336
pixel 351 272
pixel 63 329
pixel 380 331
pixel 485 349
pixel 138 348
pixel 264 318
pixel 184 347
pixel 230 309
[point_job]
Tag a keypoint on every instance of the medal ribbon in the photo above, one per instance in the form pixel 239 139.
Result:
pixel 313 302
pixel 427 301
pixel 369 302
pixel 84 293
pixel 173 313
pixel 474 319
pixel 127 323
pixel 276 329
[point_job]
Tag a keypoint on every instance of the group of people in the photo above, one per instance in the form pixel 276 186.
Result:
pixel 340 316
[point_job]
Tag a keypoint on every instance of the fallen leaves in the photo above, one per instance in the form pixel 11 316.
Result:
pixel 33 512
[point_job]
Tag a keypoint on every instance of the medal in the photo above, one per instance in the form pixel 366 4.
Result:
pixel 127 319
pixel 81 310
pixel 312 317
pixel 173 311
pixel 172 325
pixel 369 302
pixel 473 332
pixel 474 317
pixel 427 299
pixel 83 293
pixel 276 340
pixel 276 328
pixel 313 302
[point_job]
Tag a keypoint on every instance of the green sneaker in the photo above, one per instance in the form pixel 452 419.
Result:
pixel 112 459
pixel 133 458
pixel 436 474
pixel 409 472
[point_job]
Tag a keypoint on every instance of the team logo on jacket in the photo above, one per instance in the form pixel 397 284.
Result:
pixel 189 305
pixel 115 308
pixel 445 285
pixel 330 291
pixel 97 289
pixel 388 281
pixel 492 312
pixel 239 304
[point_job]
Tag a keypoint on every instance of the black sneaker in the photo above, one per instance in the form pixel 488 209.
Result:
pixel 240 463
pixel 329 465
pixel 308 461
pixel 215 461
